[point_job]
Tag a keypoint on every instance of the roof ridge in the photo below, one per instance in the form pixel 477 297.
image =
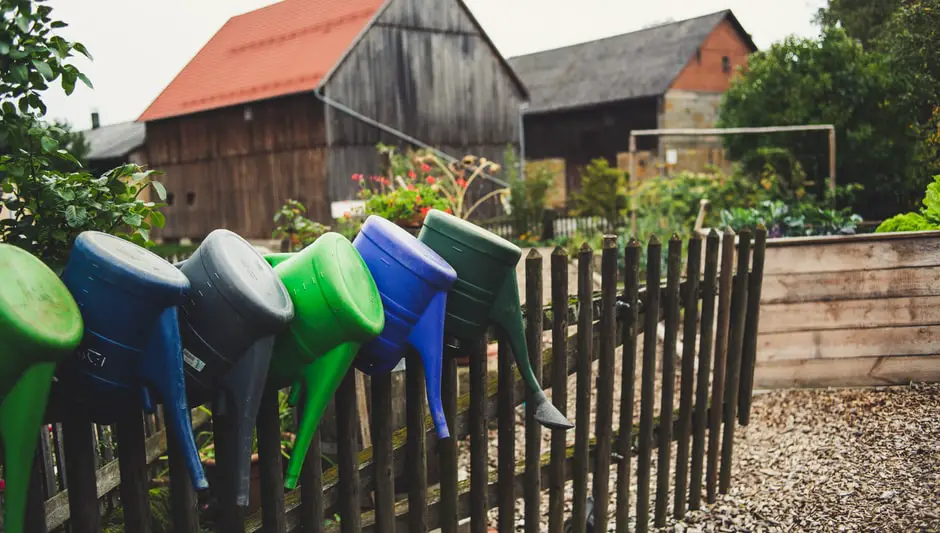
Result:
pixel 323 26
pixel 648 28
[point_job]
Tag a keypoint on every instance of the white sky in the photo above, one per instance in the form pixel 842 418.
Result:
pixel 139 45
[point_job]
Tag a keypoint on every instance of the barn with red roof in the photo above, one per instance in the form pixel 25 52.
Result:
pixel 290 100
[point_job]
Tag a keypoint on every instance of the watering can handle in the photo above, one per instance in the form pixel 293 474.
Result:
pixel 507 314
pixel 162 367
pixel 20 420
pixel 242 389
pixel 427 337
pixel 320 378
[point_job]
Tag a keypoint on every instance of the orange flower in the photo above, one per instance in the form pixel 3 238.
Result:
pixel 430 180
pixel 448 211
pixel 411 187
pixel 418 198
pixel 424 211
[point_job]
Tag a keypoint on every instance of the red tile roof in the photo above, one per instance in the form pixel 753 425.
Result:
pixel 281 49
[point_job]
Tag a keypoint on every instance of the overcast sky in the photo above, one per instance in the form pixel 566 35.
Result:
pixel 139 45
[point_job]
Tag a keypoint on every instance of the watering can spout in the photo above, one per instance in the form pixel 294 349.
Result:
pixel 320 380
pixel 241 391
pixel 507 313
pixel 164 374
pixel 20 416
pixel 428 338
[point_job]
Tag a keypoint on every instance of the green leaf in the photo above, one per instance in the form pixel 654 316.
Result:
pixel 44 69
pixel 84 51
pixel 4 48
pixel 75 216
pixel 161 190
pixel 20 73
pixel 49 145
pixel 66 194
pixel 157 219
pixel 85 80
pixel 133 220
pixel 23 23
pixel 68 82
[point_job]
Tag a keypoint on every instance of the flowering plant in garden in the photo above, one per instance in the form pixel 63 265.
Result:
pixel 419 181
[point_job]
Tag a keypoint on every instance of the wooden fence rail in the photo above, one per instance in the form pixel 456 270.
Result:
pixel 699 368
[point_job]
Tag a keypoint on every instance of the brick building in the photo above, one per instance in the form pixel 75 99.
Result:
pixel 586 98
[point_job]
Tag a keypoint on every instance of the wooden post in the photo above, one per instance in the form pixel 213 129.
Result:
pixel 632 182
pixel 135 482
pixel 347 444
pixel 270 463
pixel 721 356
pixel 417 452
pixel 506 420
pixel 749 356
pixel 832 160
pixel 709 287
pixel 230 516
pixel 382 448
pixel 447 448
pixel 583 387
pixel 690 321
pixel 533 431
pixel 631 323
pixel 604 421
pixel 736 341
pixel 647 386
pixel 35 519
pixel 311 484
pixel 556 472
pixel 84 513
pixel 183 501
pixel 479 452
pixel 672 301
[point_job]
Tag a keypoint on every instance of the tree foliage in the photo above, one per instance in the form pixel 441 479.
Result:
pixel 861 19
pixel 603 192
pixel 831 80
pixel 48 198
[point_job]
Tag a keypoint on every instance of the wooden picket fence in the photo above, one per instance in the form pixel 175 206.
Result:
pixel 716 312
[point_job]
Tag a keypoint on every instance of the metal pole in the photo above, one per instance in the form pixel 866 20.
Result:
pixel 832 160
pixel 632 182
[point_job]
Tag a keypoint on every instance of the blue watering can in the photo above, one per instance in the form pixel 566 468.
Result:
pixel 235 308
pixel 128 297
pixel 413 282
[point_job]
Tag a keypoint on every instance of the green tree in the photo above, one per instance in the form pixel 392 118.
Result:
pixel 48 199
pixel 603 192
pixel 832 79
pixel 861 19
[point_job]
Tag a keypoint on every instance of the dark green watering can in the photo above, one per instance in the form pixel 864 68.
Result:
pixel 336 308
pixel 486 292
pixel 40 324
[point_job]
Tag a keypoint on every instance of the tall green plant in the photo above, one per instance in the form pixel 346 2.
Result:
pixel 603 192
pixel 528 194
pixel 48 198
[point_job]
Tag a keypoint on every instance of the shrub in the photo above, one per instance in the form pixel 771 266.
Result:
pixel 293 225
pixel 603 192
pixel 927 219
pixel 527 195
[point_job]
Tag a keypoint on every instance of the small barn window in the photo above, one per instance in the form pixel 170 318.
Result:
pixel 698 55
pixel 169 198
pixel 190 198
pixel 725 64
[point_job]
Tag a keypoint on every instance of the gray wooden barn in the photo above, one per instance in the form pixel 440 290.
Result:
pixel 290 100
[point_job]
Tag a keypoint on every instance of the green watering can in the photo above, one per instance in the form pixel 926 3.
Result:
pixel 40 324
pixel 336 308
pixel 486 292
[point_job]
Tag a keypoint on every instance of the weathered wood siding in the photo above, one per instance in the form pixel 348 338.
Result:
pixel 424 69
pixel 850 311
pixel 224 171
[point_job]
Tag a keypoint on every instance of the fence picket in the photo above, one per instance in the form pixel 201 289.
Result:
pixel 631 312
pixel 479 453
pixel 736 342
pixel 230 516
pixel 645 436
pixel 604 423
pixel 417 452
pixel 183 502
pixel 556 477
pixel 135 481
pixel 699 420
pixel 533 431
pixel 721 357
pixel 749 355
pixel 35 519
pixel 382 446
pixel 506 420
pixel 80 463
pixel 583 387
pixel 690 321
pixel 671 300
pixel 270 467
pixel 347 444
pixel 311 488
pixel 447 448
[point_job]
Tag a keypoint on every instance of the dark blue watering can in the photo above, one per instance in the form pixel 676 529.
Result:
pixel 235 308
pixel 128 297
pixel 413 282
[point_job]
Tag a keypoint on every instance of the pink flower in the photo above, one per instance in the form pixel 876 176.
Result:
pixel 411 174
pixel 356 177
pixel 411 187
pixel 425 167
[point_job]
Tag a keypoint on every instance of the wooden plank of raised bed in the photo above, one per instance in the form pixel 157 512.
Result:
pixel 845 343
pixel 854 372
pixel 836 254
pixel 850 314
pixel 850 285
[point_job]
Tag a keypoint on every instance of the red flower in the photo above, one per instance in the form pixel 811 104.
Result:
pixel 411 174
pixel 425 167
pixel 424 211
pixel 356 177
pixel 447 211
pixel 430 180
pixel 418 198
pixel 462 183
